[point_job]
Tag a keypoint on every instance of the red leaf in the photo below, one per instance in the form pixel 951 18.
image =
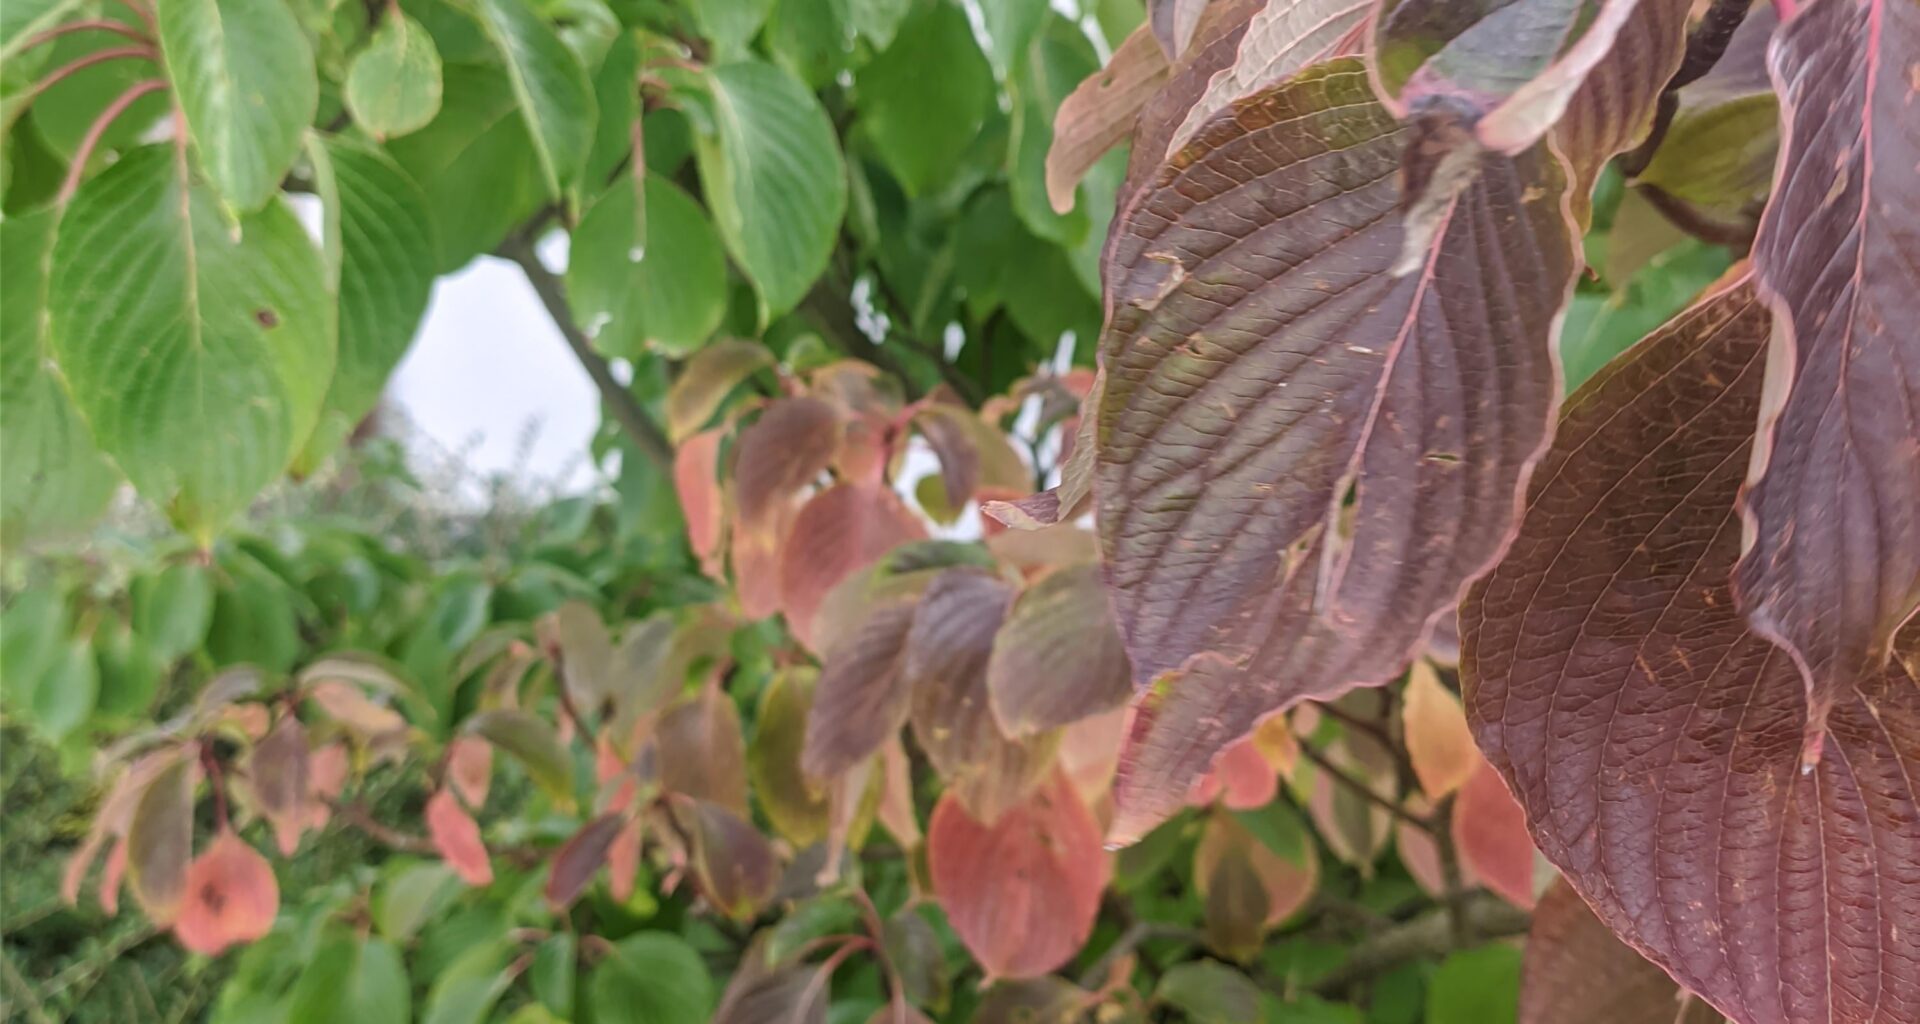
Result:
pixel 1303 456
pixel 580 858
pixel 1654 742
pixel 1242 778
pixel 1832 567
pixel 862 698
pixel 784 450
pixel 623 862
pixel 837 533
pixel 1576 972
pixel 1024 891
pixel 457 837
pixel 1490 833
pixel 470 768
pixel 231 897
pixel 696 479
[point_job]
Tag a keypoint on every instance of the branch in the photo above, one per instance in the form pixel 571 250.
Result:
pixel 626 409
pixel 1486 917
pixel 1361 789
pixel 357 815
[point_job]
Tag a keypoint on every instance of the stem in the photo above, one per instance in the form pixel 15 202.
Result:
pixel 1486 918
pixel 626 409
pixel 1340 775
pixel 1706 44
pixel 1688 218
pixel 82 63
pixel 98 128
pixel 144 13
pixel 86 25
pixel 356 815
pixel 1457 891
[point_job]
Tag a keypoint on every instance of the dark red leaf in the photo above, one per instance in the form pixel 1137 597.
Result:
pixel 1282 38
pixel 1213 49
pixel 580 858
pixel 783 451
pixel 945 430
pixel 160 839
pixel 1023 892
pixel 1059 657
pixel 1304 457
pixel 837 533
pixel 1832 568
pixel 862 698
pixel 1576 972
pixel 1654 742
pixel 733 865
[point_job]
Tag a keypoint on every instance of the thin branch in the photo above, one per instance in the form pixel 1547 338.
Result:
pixel 90 141
pixel 1706 44
pixel 1374 729
pixel 626 409
pixel 1689 218
pixel 1130 940
pixel 357 815
pixel 86 25
pixel 1486 917
pixel 1451 876
pixel 1361 789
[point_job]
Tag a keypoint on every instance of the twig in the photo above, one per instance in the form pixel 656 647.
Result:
pixel 1341 776
pixel 1688 218
pixel 1130 940
pixel 1486 917
pixel 357 815
pixel 626 409
pixel 88 142
pixel 1706 44
pixel 1373 729
pixel 1456 895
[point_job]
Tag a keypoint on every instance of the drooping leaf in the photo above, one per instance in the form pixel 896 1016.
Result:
pixel 550 85
pixel 580 858
pixel 202 382
pixel 947 654
pixel 393 83
pixel 702 750
pixel 1490 834
pixel 661 284
pixel 457 838
pixel 52 478
pixel 782 452
pixel 1831 564
pixel 863 698
pixel 1101 112
pixel 160 840
pixel 1576 972
pixel 1023 892
pixel 532 742
pixel 773 178
pixel 231 897
pixel 243 75
pixel 1674 800
pixel 585 654
pixel 837 533
pixel 1435 731
pixel 696 482
pixel 1058 658
pixel 1269 542
pixel 379 244
pixel 706 380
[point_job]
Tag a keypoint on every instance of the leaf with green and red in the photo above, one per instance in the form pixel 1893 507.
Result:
pixel 1653 740
pixel 159 839
pixel 580 858
pixel 1282 39
pixel 702 751
pixel 1021 892
pixel 733 865
pixel 793 804
pixel 1576 972
pixel 1247 887
pixel 1213 48
pixel 277 774
pixel 1612 107
pixel 1302 456
pixel 1719 151
pixel 784 450
pixel 947 653
pixel 862 698
pixel 838 532
pixel 946 431
pixel 1058 658
pixel 1831 566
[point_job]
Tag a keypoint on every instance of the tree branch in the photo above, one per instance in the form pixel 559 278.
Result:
pixel 1486 917
pixel 625 409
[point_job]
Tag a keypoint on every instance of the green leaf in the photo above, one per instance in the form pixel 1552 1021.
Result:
pixel 1010 27
pixel 1597 330
pixel 1720 155
pixel 1475 986
pixel 244 77
pixel 393 84
pixel 616 102
pixel 1209 992
pixel 352 981
pixel 380 244
pixel 731 24
pixel 129 670
pixel 921 123
pixel 531 742
pixel 409 896
pixel 52 478
pixel 552 973
pixel 31 631
pixel 67 691
pixel 551 86
pixel 1059 60
pixel 65 112
pixel 811 39
pixel 773 177
pixel 669 291
pixel 172 608
pixel 651 978
pixel 202 381
pixel 20 20
pixel 253 620
pixel 475 163
pixel 878 20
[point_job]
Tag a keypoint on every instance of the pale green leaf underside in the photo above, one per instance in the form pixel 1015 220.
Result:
pixel 394 84
pixel 244 77
pixel 199 361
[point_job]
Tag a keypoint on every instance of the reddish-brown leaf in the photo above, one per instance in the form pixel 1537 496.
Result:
pixel 160 839
pixel 1613 108
pixel 1304 457
pixel 1073 496
pixel 1059 657
pixel 580 858
pixel 784 450
pixel 702 750
pixel 837 533
pixel 1576 972
pixel 1490 834
pixel 696 479
pixel 457 837
pixel 862 698
pixel 733 865
pixel 947 654
pixel 277 771
pixel 1101 111
pixel 1282 38
pixel 1831 567
pixel 1435 730
pixel 1654 742
pixel 623 861
pixel 1215 46
pixel 1022 892
pixel 470 768
pixel 231 897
